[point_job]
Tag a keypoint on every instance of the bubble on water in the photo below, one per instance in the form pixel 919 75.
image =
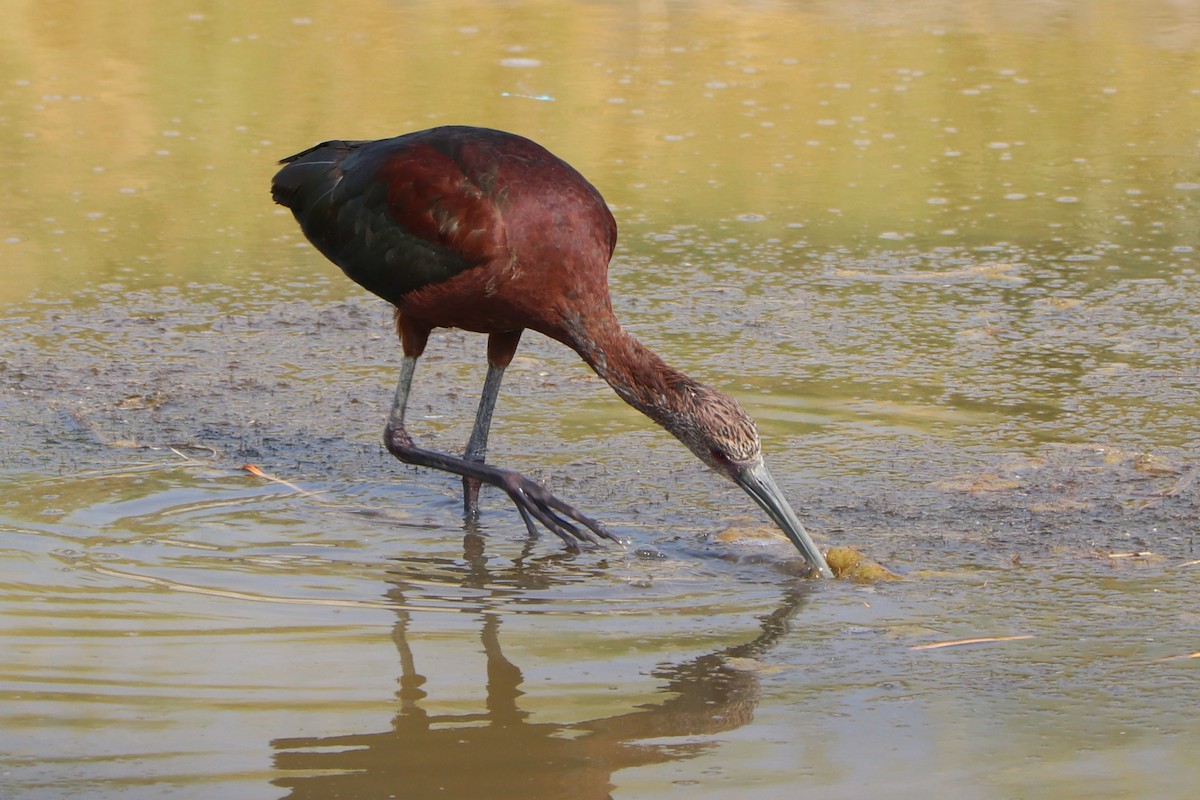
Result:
pixel 827 122
pixel 1015 196
pixel 751 217
pixel 302 21
pixel 937 201
pixel 1188 186
pixel 1066 198
pixel 520 62
pixel 999 145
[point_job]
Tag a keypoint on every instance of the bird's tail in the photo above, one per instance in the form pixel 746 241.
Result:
pixel 307 169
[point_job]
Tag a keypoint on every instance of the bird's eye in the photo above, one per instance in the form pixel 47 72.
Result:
pixel 718 456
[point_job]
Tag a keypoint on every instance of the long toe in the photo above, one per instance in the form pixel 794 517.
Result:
pixel 591 528
pixel 535 501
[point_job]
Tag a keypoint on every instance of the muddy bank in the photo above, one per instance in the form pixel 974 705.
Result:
pixel 300 389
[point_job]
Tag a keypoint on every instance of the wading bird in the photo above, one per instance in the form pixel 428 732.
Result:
pixel 487 231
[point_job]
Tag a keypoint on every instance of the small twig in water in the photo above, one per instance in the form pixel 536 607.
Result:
pixel 253 470
pixel 981 640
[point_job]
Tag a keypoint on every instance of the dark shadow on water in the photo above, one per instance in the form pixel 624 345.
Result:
pixel 500 750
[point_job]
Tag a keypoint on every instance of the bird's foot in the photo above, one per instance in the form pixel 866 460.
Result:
pixel 535 502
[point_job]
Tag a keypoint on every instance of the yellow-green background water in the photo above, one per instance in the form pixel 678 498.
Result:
pixel 945 253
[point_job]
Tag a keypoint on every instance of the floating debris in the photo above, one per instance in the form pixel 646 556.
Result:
pixel 980 640
pixel 852 564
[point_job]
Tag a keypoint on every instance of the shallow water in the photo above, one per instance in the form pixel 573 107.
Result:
pixel 945 255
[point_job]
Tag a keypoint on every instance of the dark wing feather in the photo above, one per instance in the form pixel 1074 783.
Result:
pixel 396 215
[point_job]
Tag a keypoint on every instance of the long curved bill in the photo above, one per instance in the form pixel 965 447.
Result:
pixel 759 484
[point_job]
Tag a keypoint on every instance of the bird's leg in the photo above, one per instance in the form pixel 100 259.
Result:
pixel 400 401
pixel 477 445
pixel 532 499
pixel 501 348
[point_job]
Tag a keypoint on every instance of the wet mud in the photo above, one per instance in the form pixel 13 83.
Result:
pixel 300 390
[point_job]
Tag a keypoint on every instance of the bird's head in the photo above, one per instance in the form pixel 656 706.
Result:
pixel 718 430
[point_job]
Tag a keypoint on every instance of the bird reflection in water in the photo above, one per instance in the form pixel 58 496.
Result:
pixel 501 750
